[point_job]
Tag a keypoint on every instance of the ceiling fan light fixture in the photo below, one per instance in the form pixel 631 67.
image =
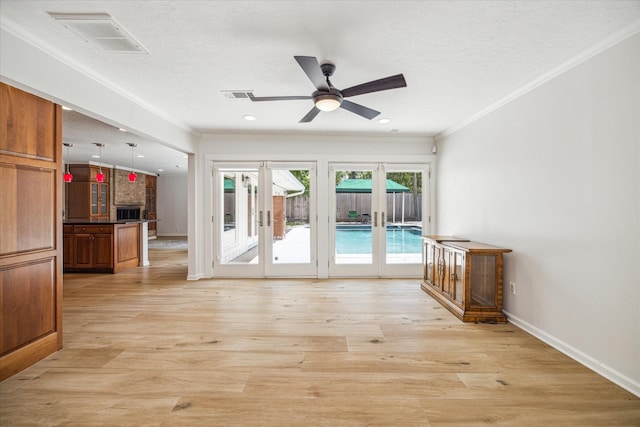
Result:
pixel 327 101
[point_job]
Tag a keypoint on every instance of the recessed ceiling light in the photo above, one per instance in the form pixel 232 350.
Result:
pixel 140 156
pixel 160 170
pixel 95 156
pixel 384 121
pixel 248 117
pixel 122 130
pixel 64 107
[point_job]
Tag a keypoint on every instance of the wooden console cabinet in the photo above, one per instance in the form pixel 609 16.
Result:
pixel 465 277
pixel 107 248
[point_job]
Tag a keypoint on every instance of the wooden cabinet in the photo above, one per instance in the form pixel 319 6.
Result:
pixel 150 202
pixel 438 262
pixel 30 229
pixel 465 277
pixel 86 197
pixel 101 248
pixel 67 244
pixel 93 247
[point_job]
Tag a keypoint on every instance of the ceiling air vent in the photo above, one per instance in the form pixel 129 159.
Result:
pixel 236 94
pixel 100 30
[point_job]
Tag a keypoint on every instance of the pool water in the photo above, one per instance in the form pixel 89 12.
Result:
pixel 400 240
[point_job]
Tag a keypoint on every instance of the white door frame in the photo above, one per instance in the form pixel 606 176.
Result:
pixel 261 174
pixel 379 266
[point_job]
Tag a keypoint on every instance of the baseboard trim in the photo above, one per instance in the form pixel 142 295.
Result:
pixel 595 365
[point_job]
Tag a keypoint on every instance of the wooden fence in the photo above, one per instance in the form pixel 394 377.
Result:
pixel 297 208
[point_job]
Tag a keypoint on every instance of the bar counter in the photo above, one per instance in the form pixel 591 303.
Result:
pixel 105 247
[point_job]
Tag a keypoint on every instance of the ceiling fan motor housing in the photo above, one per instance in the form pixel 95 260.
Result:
pixel 328 69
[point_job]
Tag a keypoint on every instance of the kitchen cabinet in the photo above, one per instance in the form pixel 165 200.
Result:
pixel 106 248
pixel 86 197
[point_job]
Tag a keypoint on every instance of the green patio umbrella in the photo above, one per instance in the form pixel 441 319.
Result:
pixel 364 186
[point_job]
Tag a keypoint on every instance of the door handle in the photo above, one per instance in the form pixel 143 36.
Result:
pixel 268 218
pixel 260 219
pixel 382 219
pixel 375 219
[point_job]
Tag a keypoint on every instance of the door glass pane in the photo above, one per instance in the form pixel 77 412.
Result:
pixel 353 217
pixel 238 225
pixel 404 217
pixel 291 216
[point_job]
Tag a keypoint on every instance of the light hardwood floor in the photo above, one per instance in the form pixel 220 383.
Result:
pixel 147 347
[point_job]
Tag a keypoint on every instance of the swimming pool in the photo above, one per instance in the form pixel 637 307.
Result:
pixel 356 239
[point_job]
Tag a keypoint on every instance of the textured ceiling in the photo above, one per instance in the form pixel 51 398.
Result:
pixel 458 57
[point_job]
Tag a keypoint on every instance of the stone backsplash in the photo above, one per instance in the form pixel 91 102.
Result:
pixel 125 193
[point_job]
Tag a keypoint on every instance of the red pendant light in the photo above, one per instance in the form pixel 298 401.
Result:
pixel 68 177
pixel 132 175
pixel 100 175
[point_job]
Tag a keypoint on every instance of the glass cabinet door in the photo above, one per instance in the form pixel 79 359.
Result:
pixel 483 280
pixel 104 199
pixel 94 199
pixel 458 277
pixel 428 267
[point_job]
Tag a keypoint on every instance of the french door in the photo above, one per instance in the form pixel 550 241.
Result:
pixel 376 219
pixel 264 219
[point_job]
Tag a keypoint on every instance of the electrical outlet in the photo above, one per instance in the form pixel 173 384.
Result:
pixel 512 288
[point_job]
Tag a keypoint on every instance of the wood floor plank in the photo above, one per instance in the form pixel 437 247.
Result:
pixel 147 347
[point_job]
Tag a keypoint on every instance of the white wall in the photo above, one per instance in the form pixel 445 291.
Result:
pixel 555 176
pixel 172 207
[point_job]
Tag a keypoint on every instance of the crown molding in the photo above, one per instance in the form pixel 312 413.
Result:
pixel 612 40
pixel 52 51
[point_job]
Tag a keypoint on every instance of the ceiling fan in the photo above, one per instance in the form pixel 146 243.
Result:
pixel 327 97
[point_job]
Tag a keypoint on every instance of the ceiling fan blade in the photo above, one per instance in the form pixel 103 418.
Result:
pixel 311 68
pixel 275 98
pixel 360 110
pixel 386 83
pixel 310 115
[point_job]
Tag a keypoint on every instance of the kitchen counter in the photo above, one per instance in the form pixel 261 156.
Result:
pixel 125 221
pixel 102 247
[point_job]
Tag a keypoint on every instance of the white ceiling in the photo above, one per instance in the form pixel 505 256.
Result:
pixel 458 57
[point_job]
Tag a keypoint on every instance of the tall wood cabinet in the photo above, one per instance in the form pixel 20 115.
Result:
pixel 465 277
pixel 30 229
pixel 86 197
pixel 151 202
